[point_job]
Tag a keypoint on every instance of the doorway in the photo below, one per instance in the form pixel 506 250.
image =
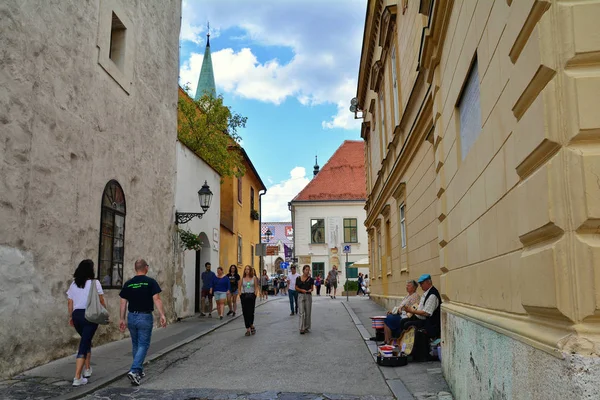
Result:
pixel 198 285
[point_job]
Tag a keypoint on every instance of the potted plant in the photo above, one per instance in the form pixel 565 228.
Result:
pixel 189 240
pixel 254 215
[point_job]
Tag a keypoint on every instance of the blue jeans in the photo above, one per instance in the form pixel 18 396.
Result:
pixel 293 295
pixel 140 328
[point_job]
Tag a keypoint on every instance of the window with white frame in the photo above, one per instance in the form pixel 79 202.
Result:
pixel 317 231
pixel 469 111
pixel 239 250
pixel 396 100
pixel 403 225
pixel 382 143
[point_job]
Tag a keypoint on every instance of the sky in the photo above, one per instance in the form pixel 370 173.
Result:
pixel 291 68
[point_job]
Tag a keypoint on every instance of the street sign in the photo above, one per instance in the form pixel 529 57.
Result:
pixel 295 259
pixel 284 265
pixel 272 250
pixel 347 249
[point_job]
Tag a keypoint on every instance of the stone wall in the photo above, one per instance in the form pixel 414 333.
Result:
pixel 68 125
pixel 480 363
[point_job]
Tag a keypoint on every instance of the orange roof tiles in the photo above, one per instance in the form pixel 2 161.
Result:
pixel 341 178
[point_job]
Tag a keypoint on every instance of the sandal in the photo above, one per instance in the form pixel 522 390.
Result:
pixel 253 330
pixel 302 332
pixel 247 333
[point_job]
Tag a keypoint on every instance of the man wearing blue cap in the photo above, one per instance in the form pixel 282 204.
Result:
pixel 428 313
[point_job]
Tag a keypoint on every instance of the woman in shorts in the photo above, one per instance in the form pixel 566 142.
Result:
pixel 220 289
pixel 234 279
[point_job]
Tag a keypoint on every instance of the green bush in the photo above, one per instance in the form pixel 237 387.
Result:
pixel 351 286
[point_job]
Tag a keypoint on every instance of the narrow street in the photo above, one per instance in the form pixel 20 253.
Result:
pixel 331 361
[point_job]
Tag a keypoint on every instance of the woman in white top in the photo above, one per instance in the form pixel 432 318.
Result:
pixel 78 296
pixel 249 290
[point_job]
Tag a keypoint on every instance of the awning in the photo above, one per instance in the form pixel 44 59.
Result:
pixel 362 263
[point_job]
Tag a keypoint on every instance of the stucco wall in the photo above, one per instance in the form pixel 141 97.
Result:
pixel 67 128
pixel 305 211
pixel 479 363
pixel 192 172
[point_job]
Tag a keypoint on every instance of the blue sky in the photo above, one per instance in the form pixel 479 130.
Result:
pixel 291 67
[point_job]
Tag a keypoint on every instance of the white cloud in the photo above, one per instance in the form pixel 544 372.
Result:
pixel 324 37
pixel 274 202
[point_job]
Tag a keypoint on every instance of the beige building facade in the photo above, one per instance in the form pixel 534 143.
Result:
pixel 481 121
pixel 88 128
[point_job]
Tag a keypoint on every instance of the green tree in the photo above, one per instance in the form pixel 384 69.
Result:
pixel 210 129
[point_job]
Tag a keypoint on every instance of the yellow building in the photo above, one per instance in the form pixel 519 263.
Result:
pixel 240 213
pixel 481 126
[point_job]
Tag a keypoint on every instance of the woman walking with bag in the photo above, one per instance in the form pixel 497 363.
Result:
pixel 78 294
pixel 304 286
pixel 249 290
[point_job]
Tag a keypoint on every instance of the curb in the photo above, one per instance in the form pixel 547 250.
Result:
pixel 90 388
pixel 396 386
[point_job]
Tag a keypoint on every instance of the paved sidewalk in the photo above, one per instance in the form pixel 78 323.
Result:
pixel 109 362
pixel 421 381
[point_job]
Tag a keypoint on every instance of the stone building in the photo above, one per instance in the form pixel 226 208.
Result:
pixel 88 127
pixel 480 124
pixel 329 213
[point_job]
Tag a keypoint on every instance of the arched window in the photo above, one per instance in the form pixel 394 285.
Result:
pixel 112 236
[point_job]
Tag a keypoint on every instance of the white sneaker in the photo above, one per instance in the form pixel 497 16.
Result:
pixel 79 382
pixel 87 372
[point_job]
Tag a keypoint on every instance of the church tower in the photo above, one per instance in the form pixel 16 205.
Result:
pixel 206 81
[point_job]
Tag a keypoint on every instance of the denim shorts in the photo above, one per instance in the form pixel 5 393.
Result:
pixel 220 296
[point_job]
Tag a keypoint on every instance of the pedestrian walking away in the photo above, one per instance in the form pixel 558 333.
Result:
pixel 206 295
pixel 249 291
pixel 318 284
pixel 264 285
pixel 333 281
pixel 234 279
pixel 77 296
pixel 360 284
pixel 139 296
pixel 304 286
pixel 220 289
pixel 292 294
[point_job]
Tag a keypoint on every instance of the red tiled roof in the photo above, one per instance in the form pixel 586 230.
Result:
pixel 341 178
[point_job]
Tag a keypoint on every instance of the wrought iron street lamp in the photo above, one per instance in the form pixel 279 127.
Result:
pixel 268 234
pixel 205 197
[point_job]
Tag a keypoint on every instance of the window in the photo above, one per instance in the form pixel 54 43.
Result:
pixel 239 180
pixel 252 199
pixel 112 236
pixel 352 271
pixel 318 268
pixel 379 254
pixel 403 225
pixel 350 233
pixel 388 248
pixel 469 111
pixel 252 256
pixel 373 256
pixel 395 87
pixel 117 42
pixel 239 250
pixel 382 124
pixel 317 231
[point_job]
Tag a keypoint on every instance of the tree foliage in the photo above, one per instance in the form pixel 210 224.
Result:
pixel 210 129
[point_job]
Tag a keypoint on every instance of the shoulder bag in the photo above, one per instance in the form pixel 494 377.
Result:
pixel 94 310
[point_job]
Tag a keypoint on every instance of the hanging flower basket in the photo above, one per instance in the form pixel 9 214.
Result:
pixel 189 240
pixel 254 215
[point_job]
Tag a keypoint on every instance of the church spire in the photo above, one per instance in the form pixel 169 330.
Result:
pixel 206 81
pixel 316 168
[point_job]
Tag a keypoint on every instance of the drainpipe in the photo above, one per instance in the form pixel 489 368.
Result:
pixel 262 258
